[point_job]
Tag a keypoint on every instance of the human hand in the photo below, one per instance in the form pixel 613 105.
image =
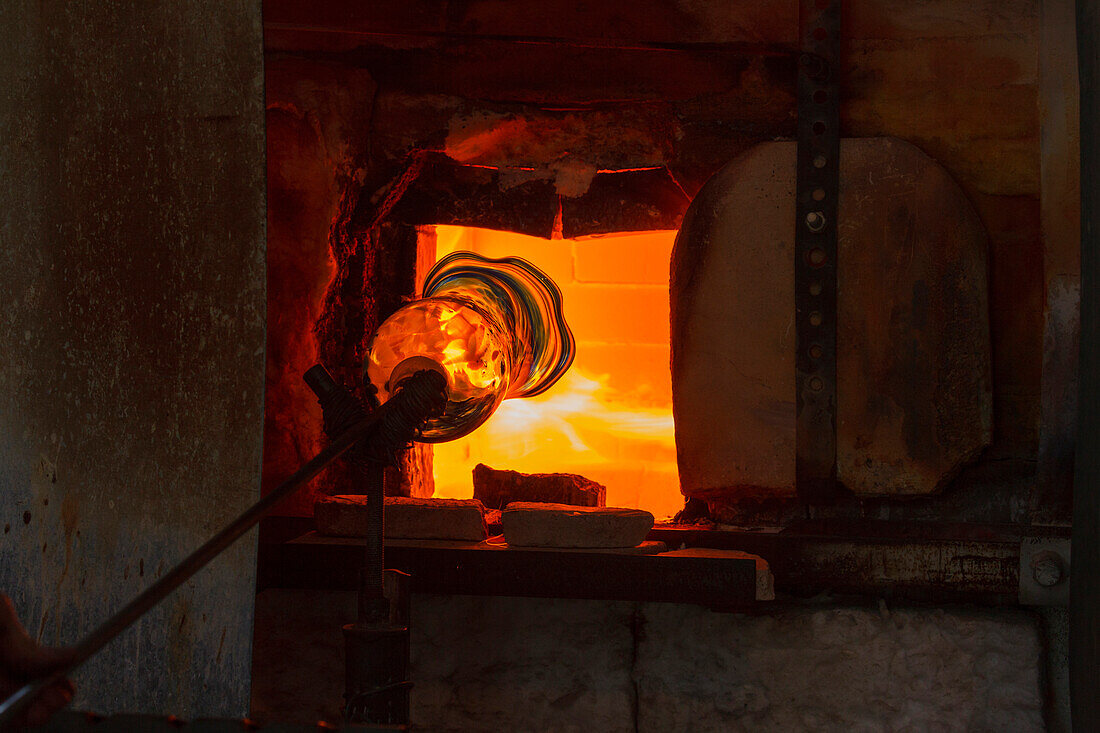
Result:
pixel 23 660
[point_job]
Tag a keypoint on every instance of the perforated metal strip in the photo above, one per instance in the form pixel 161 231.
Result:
pixel 816 193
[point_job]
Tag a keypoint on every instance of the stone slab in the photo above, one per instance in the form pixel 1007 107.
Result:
pixel 497 489
pixel 765 581
pixel 496 543
pixel 532 524
pixel 644 548
pixel 913 363
pixel 406 518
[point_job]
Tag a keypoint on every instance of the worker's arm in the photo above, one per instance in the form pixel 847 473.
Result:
pixel 22 660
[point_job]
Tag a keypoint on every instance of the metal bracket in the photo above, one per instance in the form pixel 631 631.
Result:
pixel 815 245
pixel 1044 571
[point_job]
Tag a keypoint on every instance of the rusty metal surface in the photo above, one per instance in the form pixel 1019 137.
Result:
pixel 467 568
pixel 132 339
pixel 982 568
pixel 817 193
pixel 1051 500
pixel 1060 222
pixel 918 561
pixel 939 561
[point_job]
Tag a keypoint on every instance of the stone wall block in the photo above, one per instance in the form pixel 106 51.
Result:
pixel 852 669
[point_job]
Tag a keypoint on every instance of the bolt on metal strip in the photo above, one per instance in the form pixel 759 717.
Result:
pixel 815 269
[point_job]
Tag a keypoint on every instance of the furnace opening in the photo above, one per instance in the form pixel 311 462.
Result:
pixel 610 417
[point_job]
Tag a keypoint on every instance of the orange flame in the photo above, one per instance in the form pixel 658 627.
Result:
pixel 610 417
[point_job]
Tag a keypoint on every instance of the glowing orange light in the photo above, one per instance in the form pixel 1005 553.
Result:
pixel 449 332
pixel 610 417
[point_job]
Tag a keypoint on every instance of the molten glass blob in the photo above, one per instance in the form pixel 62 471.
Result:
pixel 494 327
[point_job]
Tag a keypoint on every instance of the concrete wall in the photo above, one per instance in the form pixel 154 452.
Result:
pixel 132 333
pixel 519 664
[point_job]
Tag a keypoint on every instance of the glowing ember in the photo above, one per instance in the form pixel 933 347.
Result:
pixel 610 417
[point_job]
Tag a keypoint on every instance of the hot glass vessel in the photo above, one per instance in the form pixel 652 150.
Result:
pixel 493 327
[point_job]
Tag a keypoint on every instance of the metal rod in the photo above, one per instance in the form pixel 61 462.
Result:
pixel 371 580
pixel 817 190
pixel 18 702
pixel 1084 589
